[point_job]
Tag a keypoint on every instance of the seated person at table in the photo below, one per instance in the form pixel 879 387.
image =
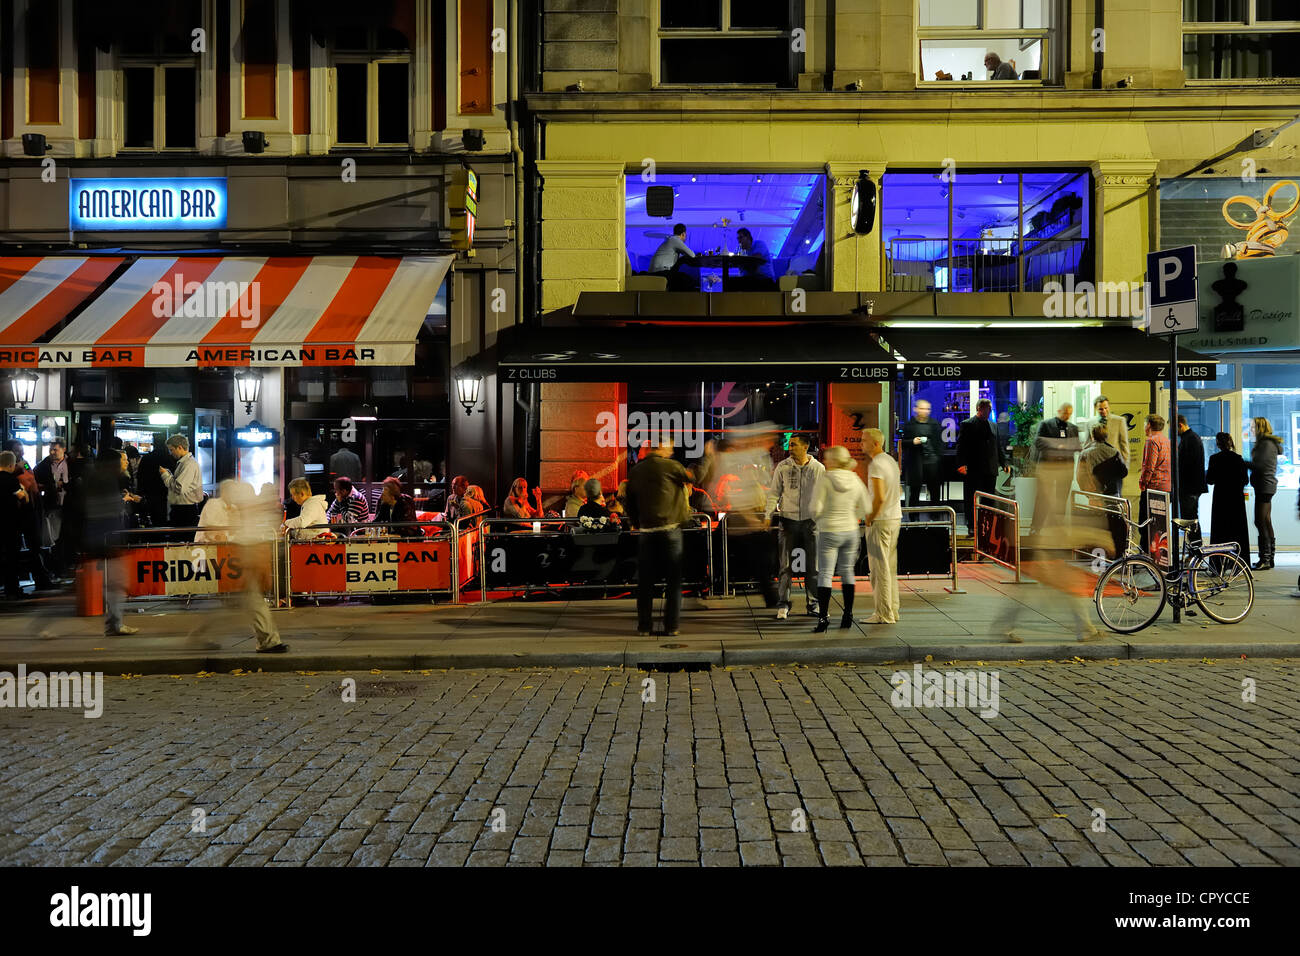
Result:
pixel 615 504
pixel 396 507
pixel 594 516
pixel 311 511
pixel 759 278
pixel 517 506
pixel 577 495
pixel 667 260
pixel 349 505
pixel 1000 69
pixel 474 503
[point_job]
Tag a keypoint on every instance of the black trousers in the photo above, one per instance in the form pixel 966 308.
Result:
pixel 29 526
pixel 679 281
pixel 972 482
pixel 9 561
pixel 1189 506
pixel 927 474
pixel 659 555
pixel 184 516
pixel 1266 541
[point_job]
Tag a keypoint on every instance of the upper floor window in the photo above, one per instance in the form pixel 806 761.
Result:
pixel 730 43
pixel 986 230
pixel 1241 39
pixel 372 86
pixel 159 79
pixel 983 40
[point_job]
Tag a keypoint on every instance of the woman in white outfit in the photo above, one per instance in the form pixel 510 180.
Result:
pixel 839 503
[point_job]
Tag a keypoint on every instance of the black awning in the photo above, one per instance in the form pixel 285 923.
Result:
pixel 1114 353
pixel 794 352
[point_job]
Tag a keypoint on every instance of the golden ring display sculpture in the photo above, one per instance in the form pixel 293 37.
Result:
pixel 1268 229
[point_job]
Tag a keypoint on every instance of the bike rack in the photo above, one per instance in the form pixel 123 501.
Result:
pixel 1010 509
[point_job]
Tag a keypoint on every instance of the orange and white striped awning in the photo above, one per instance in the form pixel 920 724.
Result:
pixel 197 311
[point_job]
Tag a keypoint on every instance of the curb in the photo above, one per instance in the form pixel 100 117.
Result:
pixel 629 656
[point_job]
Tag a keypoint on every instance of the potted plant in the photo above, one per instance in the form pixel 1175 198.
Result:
pixel 1025 417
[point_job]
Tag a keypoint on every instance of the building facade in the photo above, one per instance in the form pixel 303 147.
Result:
pixel 265 189
pixel 1022 205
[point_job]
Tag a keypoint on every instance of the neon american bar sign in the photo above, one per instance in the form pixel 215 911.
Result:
pixel 140 204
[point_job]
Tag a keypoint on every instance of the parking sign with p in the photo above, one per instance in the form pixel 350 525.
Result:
pixel 1171 304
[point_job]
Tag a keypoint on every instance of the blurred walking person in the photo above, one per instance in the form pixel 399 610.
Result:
pixel 840 502
pixel 922 454
pixel 107 510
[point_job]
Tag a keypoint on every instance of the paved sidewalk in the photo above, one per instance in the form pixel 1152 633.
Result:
pixel 1115 764
pixel 738 630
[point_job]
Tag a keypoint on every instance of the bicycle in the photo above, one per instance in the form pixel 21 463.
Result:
pixel 1133 590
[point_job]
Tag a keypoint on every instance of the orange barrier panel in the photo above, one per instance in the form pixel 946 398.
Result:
pixel 185 570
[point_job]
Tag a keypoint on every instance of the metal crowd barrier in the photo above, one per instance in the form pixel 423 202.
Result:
pixel 772 539
pixel 950 523
pixel 180 569
pixel 547 542
pixel 370 563
pixel 991 528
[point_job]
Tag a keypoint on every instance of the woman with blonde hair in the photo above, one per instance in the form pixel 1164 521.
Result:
pixel 1263 478
pixel 839 503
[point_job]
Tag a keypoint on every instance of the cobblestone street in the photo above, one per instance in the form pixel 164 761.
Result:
pixel 1098 764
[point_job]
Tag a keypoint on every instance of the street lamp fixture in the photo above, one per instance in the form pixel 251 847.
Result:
pixel 23 385
pixel 468 385
pixel 248 387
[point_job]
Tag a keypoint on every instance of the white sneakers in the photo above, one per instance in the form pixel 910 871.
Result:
pixel 782 613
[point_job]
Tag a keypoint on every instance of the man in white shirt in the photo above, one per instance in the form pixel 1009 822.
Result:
pixel 184 484
pixel 791 493
pixel 664 262
pixel 882 527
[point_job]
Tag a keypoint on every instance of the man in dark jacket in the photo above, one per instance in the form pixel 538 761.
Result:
pixel 656 505
pixel 30 521
pixel 150 484
pixel 1191 475
pixel 979 456
pixel 12 500
pixel 922 454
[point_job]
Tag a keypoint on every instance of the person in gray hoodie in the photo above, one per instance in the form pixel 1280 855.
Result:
pixel 840 503
pixel 1263 478
pixel 790 495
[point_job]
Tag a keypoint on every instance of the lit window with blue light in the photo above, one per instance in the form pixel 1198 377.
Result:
pixel 742 231
pixel 985 230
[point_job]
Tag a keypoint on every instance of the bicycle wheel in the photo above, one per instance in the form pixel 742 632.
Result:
pixel 1223 588
pixel 1130 594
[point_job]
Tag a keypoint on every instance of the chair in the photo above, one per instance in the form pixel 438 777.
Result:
pixel 646 283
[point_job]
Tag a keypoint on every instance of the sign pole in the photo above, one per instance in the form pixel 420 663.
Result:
pixel 1171 308
pixel 1175 553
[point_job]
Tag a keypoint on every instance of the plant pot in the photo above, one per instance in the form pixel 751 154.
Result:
pixel 1026 490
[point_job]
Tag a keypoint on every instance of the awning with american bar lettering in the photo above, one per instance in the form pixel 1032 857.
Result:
pixel 203 311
